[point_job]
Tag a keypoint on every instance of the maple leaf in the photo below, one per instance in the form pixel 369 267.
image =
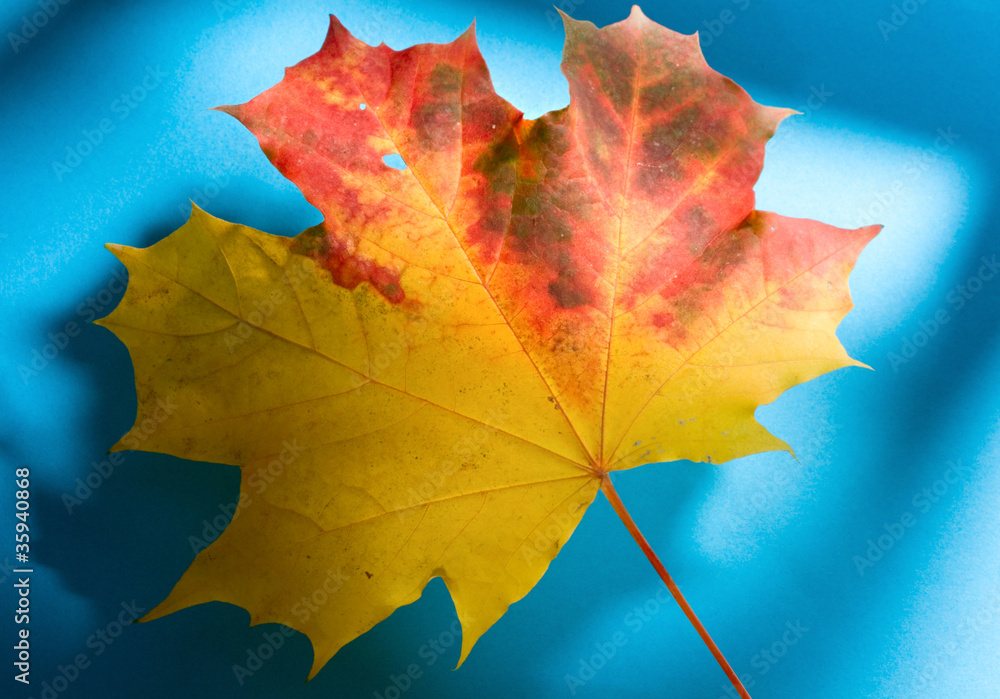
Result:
pixel 438 379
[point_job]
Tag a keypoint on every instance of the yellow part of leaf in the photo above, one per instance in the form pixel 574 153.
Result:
pixel 308 386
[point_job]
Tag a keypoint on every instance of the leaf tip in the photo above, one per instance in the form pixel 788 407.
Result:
pixel 463 655
pixel 198 214
pixel 320 657
pixel 153 614
pixel 636 13
pixel 776 115
pixel 567 20
pixel 871 231
pixel 469 35
pixel 119 251
pixel 232 110
pixel 338 33
pixel 196 210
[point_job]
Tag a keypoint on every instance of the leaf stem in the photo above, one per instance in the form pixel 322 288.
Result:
pixel 616 502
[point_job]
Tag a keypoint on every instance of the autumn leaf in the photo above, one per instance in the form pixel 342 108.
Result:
pixel 438 379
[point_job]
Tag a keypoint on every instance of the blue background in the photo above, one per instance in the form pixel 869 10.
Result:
pixel 756 544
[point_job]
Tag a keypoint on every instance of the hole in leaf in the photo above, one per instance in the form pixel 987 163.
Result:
pixel 394 160
pixel 361 106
